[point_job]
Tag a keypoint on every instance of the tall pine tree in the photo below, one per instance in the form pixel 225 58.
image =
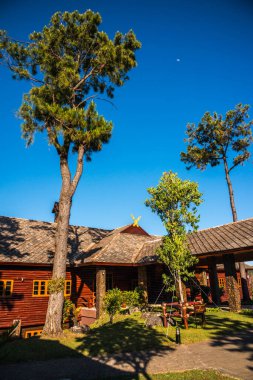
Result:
pixel 221 140
pixel 70 64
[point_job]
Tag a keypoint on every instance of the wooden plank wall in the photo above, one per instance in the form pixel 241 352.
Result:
pixel 30 309
pixel 83 286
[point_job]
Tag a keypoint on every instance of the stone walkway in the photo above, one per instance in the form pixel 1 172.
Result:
pixel 232 355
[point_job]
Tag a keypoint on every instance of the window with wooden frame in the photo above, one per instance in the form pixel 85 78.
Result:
pixel 222 282
pixel 67 288
pixel 40 288
pixel 29 334
pixel 6 287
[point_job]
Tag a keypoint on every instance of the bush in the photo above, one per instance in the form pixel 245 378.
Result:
pixel 131 298
pixel 70 312
pixel 112 302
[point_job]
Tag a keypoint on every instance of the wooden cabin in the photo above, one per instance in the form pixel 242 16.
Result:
pixel 97 260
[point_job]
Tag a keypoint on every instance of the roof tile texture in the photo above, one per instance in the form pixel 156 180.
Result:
pixel 30 241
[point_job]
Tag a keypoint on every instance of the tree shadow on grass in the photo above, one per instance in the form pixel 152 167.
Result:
pixel 232 335
pixel 34 358
pixel 129 343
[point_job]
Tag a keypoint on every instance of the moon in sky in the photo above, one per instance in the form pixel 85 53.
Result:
pixel 178 59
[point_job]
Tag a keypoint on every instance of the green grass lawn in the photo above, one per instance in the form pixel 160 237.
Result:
pixel 186 375
pixel 126 334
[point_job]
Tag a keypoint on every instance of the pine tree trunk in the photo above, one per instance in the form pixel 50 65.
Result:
pixel 245 290
pixel 230 191
pixel 53 324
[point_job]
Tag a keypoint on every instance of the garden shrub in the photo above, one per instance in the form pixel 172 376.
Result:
pixel 70 312
pixel 112 302
pixel 131 298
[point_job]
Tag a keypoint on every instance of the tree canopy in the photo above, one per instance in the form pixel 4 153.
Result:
pixel 216 138
pixel 70 63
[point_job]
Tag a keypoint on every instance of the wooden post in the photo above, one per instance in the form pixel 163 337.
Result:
pixel 232 288
pixel 100 290
pixel 213 277
pixel 165 322
pixel 142 281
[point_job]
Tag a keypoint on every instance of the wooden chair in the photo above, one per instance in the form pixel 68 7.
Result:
pixel 199 313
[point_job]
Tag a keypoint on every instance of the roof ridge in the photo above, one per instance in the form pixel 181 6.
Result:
pixel 54 223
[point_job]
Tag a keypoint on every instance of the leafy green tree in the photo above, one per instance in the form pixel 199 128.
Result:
pixel 175 201
pixel 221 140
pixel 112 302
pixel 70 64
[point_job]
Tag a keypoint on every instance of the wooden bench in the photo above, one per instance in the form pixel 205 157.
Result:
pixel 184 311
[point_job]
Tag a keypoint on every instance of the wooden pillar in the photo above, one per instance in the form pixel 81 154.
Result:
pixel 213 278
pixel 142 281
pixel 100 290
pixel 232 288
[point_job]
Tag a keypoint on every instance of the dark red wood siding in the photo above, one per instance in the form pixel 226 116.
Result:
pixel 83 286
pixel 30 309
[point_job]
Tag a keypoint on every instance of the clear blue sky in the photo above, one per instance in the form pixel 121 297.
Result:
pixel 213 41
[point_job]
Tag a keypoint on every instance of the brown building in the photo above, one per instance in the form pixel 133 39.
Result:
pixel 99 260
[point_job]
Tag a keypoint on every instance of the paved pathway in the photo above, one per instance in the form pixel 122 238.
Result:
pixel 232 355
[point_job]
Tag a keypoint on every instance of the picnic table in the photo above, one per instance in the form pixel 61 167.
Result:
pixel 184 311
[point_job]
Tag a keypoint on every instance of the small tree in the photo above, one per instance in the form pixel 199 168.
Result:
pixel 70 64
pixel 217 140
pixel 174 201
pixel 112 302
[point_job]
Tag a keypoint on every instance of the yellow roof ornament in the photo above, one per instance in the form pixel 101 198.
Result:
pixel 135 220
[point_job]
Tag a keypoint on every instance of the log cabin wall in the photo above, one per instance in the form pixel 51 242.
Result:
pixel 32 309
pixel 22 304
pixel 83 286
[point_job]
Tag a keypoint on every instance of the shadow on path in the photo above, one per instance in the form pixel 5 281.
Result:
pixel 134 345
pixel 233 336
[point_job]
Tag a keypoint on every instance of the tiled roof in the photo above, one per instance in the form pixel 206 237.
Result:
pixel 116 247
pixel 232 236
pixel 30 241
